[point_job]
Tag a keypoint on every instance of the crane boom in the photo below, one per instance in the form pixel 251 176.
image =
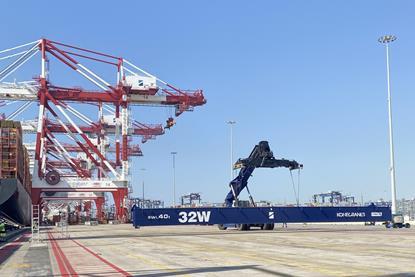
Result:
pixel 261 156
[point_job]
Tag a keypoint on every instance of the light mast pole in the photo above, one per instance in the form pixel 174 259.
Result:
pixel 386 40
pixel 231 123
pixel 174 178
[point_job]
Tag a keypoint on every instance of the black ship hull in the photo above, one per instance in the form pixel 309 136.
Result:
pixel 15 202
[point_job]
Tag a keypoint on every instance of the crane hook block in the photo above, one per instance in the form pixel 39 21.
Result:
pixel 170 122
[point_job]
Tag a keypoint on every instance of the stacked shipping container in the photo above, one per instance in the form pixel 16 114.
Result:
pixel 14 158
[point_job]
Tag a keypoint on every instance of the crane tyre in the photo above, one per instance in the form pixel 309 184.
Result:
pixel 243 227
pixel 269 226
pixel 221 227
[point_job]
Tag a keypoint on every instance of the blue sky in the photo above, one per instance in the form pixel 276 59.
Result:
pixel 308 76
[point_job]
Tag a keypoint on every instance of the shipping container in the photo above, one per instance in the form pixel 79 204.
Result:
pixel 14 158
pixel 15 178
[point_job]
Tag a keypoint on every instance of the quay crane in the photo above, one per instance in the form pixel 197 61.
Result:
pixel 83 136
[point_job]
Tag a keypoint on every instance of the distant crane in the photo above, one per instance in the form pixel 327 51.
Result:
pixel 191 199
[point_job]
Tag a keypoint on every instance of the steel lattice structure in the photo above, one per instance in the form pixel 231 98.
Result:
pixel 93 156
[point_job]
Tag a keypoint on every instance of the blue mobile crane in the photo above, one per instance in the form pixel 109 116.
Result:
pixel 260 157
pixel 243 217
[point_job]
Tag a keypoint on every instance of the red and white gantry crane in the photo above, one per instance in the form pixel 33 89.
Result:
pixel 77 157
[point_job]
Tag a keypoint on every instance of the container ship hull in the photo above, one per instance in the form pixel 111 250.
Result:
pixel 15 178
pixel 15 202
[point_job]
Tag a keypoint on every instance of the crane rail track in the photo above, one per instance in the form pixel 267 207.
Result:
pixel 74 259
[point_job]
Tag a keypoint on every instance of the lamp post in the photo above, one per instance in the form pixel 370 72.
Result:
pixel 143 169
pixel 386 40
pixel 231 123
pixel 174 178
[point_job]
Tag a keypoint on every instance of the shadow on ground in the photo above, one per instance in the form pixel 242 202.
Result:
pixel 216 269
pixel 190 271
pixel 219 233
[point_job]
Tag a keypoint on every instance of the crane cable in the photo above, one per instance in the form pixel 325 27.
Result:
pixel 296 191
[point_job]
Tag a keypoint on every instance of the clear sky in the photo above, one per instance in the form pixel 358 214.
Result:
pixel 308 76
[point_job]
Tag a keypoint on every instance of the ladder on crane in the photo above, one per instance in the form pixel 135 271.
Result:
pixel 36 224
pixel 63 225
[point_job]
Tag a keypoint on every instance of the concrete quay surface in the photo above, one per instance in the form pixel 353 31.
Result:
pixel 299 250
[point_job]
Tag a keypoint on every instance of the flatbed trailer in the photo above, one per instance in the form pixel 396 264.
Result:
pixel 258 215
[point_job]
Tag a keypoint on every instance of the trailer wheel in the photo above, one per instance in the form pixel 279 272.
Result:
pixel 269 226
pixel 243 227
pixel 221 227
